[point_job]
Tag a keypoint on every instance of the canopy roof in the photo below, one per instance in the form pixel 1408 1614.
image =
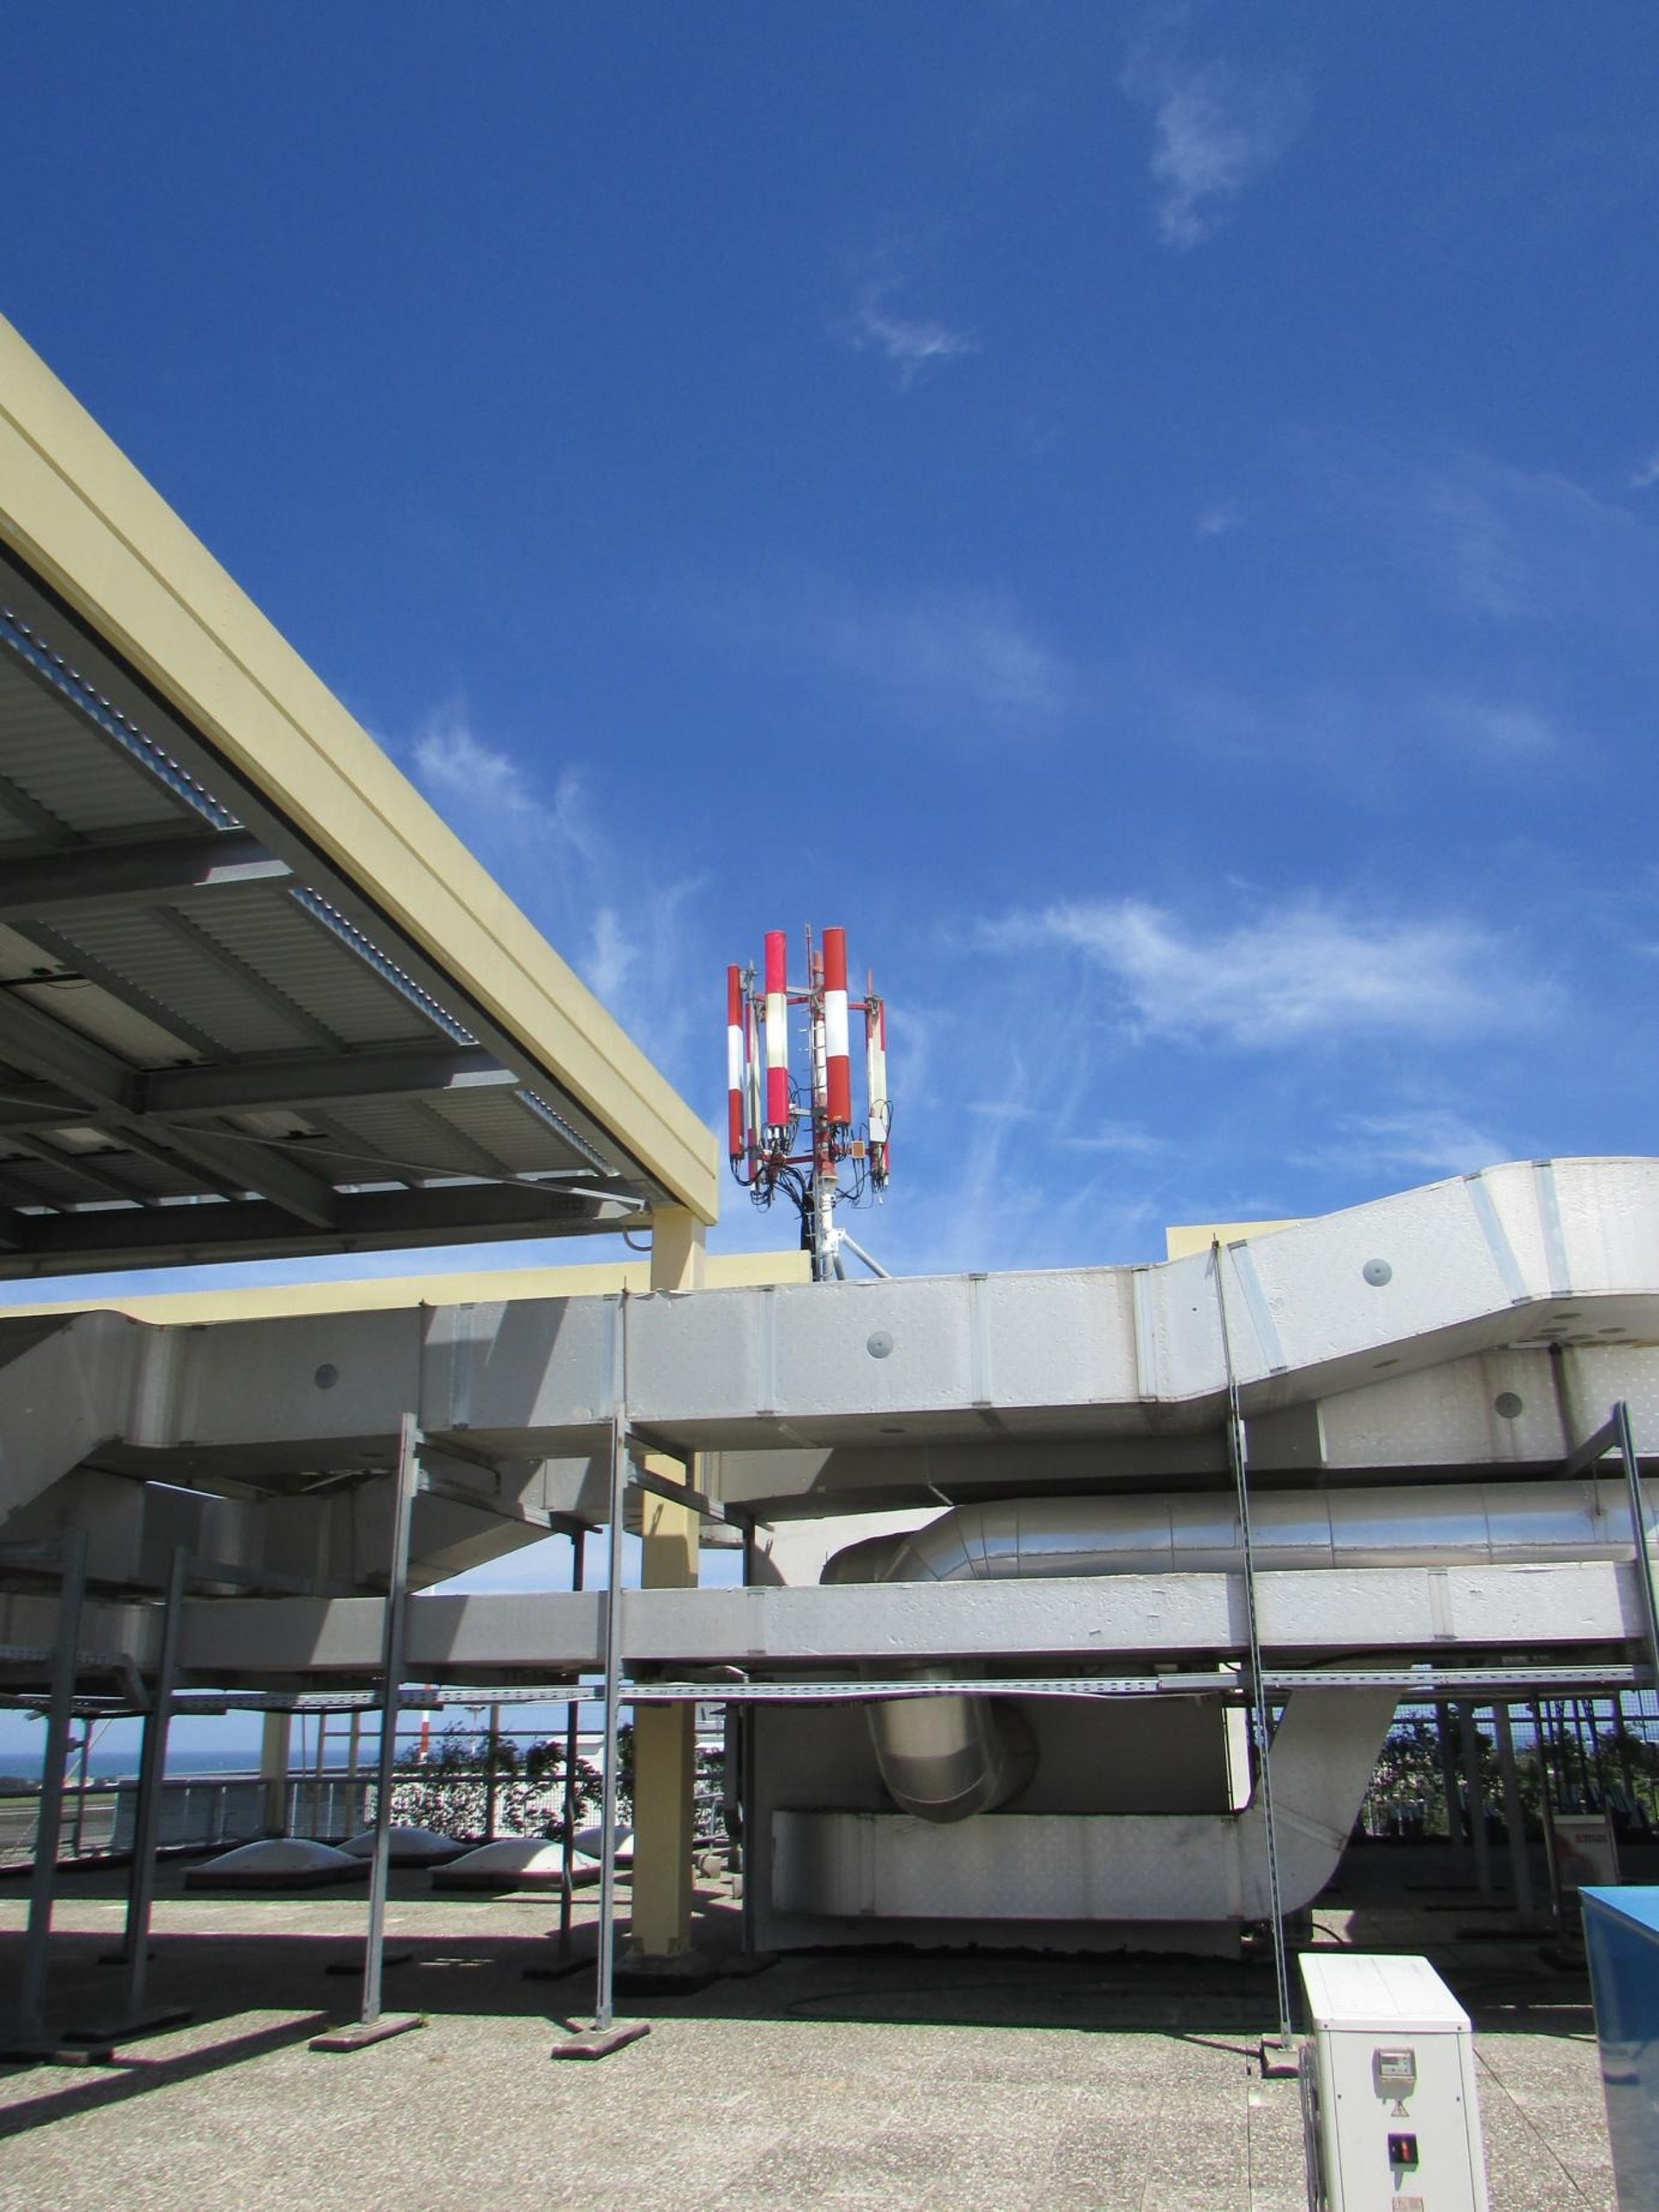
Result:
pixel 255 998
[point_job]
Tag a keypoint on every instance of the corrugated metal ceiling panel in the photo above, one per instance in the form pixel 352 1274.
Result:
pixel 172 971
pixel 273 935
pixel 519 1138
pixel 123 1029
pixel 64 764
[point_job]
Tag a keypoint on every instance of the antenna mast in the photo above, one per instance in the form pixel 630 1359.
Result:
pixel 798 1138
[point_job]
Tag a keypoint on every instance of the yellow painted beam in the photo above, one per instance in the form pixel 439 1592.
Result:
pixel 78 513
pixel 1187 1237
pixel 375 1293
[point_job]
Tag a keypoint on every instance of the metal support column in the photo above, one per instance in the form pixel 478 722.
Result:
pixel 1620 1424
pixel 1514 1814
pixel 30 2039
pixel 1238 1453
pixel 372 2026
pixel 605 1992
pixel 1469 1736
pixel 275 1744
pixel 1454 1828
pixel 152 1775
pixel 492 1753
pixel 572 1749
pixel 608 2033
pixel 1546 1813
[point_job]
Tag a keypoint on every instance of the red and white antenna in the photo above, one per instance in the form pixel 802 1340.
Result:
pixel 770 1117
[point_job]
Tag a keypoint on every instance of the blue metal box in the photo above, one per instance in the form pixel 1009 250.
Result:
pixel 1620 1932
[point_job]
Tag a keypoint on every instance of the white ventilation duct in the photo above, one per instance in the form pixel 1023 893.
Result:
pixel 1113 1867
pixel 943 1758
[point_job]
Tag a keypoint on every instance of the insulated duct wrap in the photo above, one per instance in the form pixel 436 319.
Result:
pixel 945 1759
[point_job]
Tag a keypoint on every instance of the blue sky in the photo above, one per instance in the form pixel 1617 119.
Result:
pixel 1148 516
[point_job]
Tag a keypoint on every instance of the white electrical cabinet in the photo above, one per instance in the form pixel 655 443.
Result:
pixel 1389 2089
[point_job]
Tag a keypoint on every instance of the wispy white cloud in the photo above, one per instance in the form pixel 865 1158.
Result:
pixel 912 344
pixel 1219 521
pixel 1307 969
pixel 1216 130
pixel 1504 731
pixel 941 658
pixel 1644 478
pixel 542 840
pixel 1497 542
pixel 1428 1140
pixel 1122 1137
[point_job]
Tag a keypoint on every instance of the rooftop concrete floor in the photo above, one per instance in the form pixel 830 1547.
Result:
pixel 880 2079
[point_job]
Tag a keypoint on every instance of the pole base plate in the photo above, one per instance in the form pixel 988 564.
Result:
pixel 1280 2062
pixel 62 2053
pixel 361 2033
pixel 599 2043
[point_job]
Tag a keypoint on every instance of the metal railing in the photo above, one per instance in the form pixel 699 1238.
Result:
pixel 219 1811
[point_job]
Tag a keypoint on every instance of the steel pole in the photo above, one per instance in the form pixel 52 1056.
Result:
pixel 1514 1814
pixel 152 1774
pixel 72 1590
pixel 1469 1738
pixel 392 1663
pixel 1626 1441
pixel 492 1752
pixel 1237 1452
pixel 1454 1832
pixel 605 1997
pixel 572 1744
pixel 1547 1812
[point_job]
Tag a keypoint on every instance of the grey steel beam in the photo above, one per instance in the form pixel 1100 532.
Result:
pixel 49 827
pixel 1410 1683
pixel 89 876
pixel 30 1037
pixel 246 1164
pixel 77 1163
pixel 274 1086
pixel 1605 1439
pixel 253 1229
pixel 1391 1610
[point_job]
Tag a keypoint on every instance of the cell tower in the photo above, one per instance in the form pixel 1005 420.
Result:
pixel 798 1138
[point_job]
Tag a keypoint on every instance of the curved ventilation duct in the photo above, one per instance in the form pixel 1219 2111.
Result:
pixel 943 1758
